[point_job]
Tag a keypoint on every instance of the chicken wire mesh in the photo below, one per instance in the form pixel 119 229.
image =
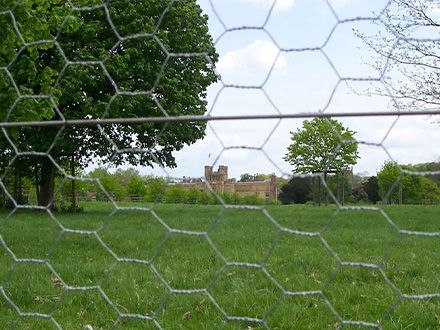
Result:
pixel 168 243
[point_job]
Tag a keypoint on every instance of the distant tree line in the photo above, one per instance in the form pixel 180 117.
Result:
pixel 393 184
pixel 120 185
pixel 247 177
pixel 131 185
pixel 400 185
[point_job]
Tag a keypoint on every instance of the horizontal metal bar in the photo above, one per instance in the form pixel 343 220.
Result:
pixel 177 119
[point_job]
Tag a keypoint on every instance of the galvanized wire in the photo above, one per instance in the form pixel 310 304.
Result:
pixel 205 235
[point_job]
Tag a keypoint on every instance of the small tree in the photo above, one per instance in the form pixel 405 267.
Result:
pixel 192 195
pixel 371 187
pixel 359 194
pixel 246 177
pixel 175 194
pixel 322 146
pixel 433 167
pixel 297 190
pixel 155 188
pixel 136 187
pixel 109 182
pixel 429 192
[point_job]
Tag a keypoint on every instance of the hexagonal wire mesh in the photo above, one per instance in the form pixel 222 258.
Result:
pixel 158 264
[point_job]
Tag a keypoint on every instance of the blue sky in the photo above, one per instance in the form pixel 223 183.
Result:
pixel 300 81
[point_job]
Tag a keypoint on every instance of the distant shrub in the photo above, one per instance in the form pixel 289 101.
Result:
pixel 296 191
pixel 136 186
pixel 272 202
pixel 192 196
pixel 206 198
pixel 175 194
pixel 178 194
pixel 231 198
pixel 253 200
pixel 155 187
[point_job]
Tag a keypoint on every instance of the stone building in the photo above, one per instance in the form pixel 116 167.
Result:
pixel 220 182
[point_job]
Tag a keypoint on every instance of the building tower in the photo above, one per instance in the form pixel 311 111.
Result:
pixel 208 173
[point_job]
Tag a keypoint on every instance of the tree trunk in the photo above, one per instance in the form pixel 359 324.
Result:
pixel 37 183
pixel 326 187
pixel 20 188
pixel 16 185
pixel 319 191
pixel 343 188
pixel 47 183
pixel 338 187
pixel 72 172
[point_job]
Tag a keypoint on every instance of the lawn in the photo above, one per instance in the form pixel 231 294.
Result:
pixel 207 267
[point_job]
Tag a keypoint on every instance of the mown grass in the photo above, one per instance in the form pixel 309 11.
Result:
pixel 155 260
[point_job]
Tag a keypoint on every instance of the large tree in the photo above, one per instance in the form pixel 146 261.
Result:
pixel 120 67
pixel 408 48
pixel 322 146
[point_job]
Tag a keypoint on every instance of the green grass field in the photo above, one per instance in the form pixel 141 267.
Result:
pixel 155 261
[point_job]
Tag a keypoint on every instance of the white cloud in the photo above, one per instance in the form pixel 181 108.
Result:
pixel 281 5
pixel 255 58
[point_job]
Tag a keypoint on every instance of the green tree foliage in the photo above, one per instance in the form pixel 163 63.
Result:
pixel 193 195
pixel 429 192
pixel 110 184
pixel 178 83
pixel 359 194
pixel 246 177
pixel 396 186
pixel 231 198
pixel 63 188
pixel 128 184
pixel 340 186
pixel 155 188
pixel 320 146
pixel 296 191
pixel 206 198
pixel 371 188
pixel 124 176
pixel 175 194
pixel 432 167
pixel 136 187
pixel 387 179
